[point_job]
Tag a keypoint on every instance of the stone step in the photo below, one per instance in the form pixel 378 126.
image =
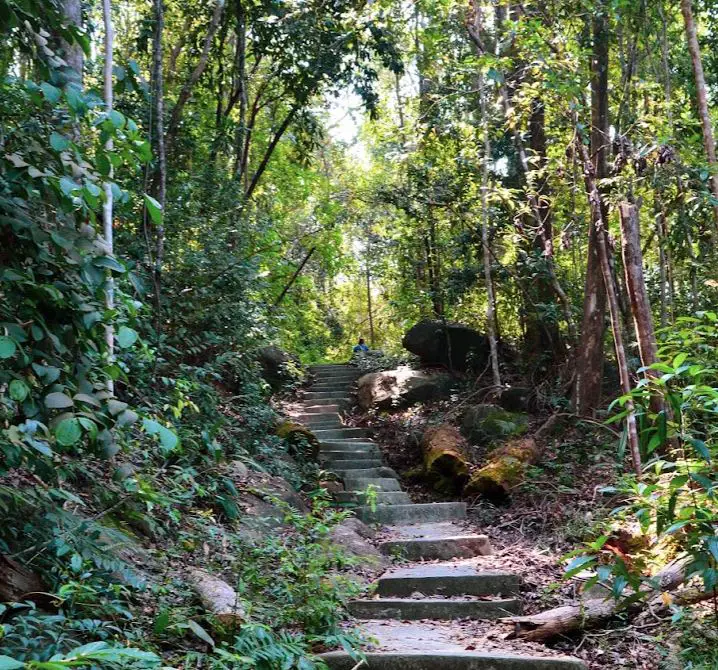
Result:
pixel 381 471
pixel 428 549
pixel 323 395
pixel 339 433
pixel 351 464
pixel 413 609
pixel 317 416
pixel 352 444
pixel 447 579
pixel 332 384
pixel 448 660
pixel 382 497
pixel 318 410
pixel 421 513
pixel 336 403
pixel 339 454
pixel 353 483
pixel 324 424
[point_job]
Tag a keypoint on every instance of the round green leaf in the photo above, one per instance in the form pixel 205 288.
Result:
pixel 126 337
pixel 7 347
pixel 19 390
pixel 68 431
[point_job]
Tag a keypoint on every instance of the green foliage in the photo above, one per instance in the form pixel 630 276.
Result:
pixel 674 504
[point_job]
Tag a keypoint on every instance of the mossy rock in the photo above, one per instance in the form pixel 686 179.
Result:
pixel 301 440
pixel 486 424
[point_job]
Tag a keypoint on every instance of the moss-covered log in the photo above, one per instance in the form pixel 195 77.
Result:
pixel 17 583
pixel 505 469
pixel 301 440
pixel 444 460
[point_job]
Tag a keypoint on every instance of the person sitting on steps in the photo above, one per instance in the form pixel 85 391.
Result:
pixel 361 347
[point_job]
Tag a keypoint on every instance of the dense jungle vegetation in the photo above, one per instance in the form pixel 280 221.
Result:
pixel 184 184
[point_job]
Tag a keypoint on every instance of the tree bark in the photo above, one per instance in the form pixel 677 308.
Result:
pixel 490 298
pixel 72 53
pixel 591 612
pixel 241 69
pixel 636 285
pixel 17 583
pixel 161 175
pixel 589 357
pixel 596 204
pixel 107 214
pixel 701 99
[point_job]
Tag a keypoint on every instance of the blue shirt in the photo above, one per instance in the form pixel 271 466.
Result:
pixel 360 347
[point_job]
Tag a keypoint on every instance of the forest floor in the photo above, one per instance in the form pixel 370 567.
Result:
pixel 562 504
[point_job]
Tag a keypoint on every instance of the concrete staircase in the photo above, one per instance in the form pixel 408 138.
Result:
pixel 410 619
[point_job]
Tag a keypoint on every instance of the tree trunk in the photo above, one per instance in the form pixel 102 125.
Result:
pixel 161 180
pixel 293 278
pixel 218 598
pixel 107 205
pixel 490 298
pixel 72 53
pixel 636 284
pixel 701 98
pixel 596 204
pixel 591 612
pixel 241 69
pixel 589 357
pixel 17 583
pixel 445 464
pixel 187 89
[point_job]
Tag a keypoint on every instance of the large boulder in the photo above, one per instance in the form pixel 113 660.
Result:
pixel 449 344
pixel 400 388
pixel 302 442
pixel 354 538
pixel 484 424
pixel 278 367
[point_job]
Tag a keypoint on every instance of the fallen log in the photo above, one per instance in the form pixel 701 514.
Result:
pixel 507 465
pixel 217 597
pixel 594 611
pixel 301 440
pixel 444 460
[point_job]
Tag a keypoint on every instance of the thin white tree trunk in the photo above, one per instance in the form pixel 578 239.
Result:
pixel 490 298
pixel 107 206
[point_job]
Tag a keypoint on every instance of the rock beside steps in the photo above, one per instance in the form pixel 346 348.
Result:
pixel 410 616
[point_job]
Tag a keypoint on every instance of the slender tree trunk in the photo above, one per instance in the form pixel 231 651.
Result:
pixel 662 276
pixel 107 205
pixel 72 53
pixel 188 88
pixel 161 180
pixel 636 287
pixel 490 299
pixel 589 357
pixel 701 98
pixel 595 202
pixel 368 301
pixel 241 69
pixel 293 278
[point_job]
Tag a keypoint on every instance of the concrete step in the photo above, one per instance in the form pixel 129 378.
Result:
pixel 447 579
pixel 413 609
pixel 433 549
pixel 316 410
pixel 352 483
pixel 317 416
pixel 339 433
pixel 337 404
pixel 331 385
pixel 352 444
pixel 351 464
pixel 405 514
pixel 448 660
pixel 341 454
pixel 380 471
pixel 382 497
pixel 324 424
pixel 324 395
